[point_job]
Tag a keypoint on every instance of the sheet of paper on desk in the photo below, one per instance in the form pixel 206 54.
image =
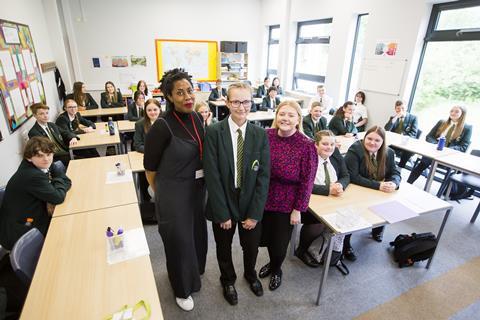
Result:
pixel 346 221
pixel 113 177
pixel 134 246
pixel 393 211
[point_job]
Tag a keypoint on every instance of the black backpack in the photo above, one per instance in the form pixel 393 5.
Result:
pixel 409 249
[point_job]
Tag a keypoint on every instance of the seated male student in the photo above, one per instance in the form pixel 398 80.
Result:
pixel 70 121
pixel 137 107
pixel 218 94
pixel 262 90
pixel 32 192
pixel 405 124
pixel 271 101
pixel 62 139
pixel 324 99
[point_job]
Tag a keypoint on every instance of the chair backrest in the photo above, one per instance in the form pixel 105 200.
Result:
pixel 419 133
pixel 475 152
pixel 25 253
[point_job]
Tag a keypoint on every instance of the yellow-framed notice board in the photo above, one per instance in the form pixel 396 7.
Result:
pixel 20 75
pixel 198 57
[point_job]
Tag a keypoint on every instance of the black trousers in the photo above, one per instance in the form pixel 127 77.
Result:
pixel 249 240
pixel 418 169
pixel 404 156
pixel 276 234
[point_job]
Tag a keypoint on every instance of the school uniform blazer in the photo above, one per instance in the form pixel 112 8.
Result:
pixel 104 101
pixel 461 143
pixel 337 126
pixel 261 91
pixel 343 177
pixel 62 137
pixel 357 168
pixel 410 125
pixel 63 122
pixel 266 105
pixel 26 196
pixel 309 126
pixel 139 136
pixel 132 114
pixel 90 103
pixel 214 94
pixel 224 201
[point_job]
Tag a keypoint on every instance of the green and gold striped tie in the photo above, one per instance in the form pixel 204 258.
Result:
pixel 448 137
pixel 239 158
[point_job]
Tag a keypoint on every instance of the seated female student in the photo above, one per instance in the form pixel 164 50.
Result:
pixel 135 109
pixel 202 108
pixel 314 122
pixel 270 101
pixel 32 192
pixel 83 99
pixel 111 98
pixel 331 179
pixel 70 121
pixel 142 87
pixel 342 122
pixel 142 126
pixel 457 136
pixel 276 84
pixel 360 115
pixel 371 164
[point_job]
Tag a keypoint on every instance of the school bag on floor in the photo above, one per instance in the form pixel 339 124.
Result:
pixel 409 249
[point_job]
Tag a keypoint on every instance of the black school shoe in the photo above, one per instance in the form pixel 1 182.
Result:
pixel 256 287
pixel 275 281
pixel 307 258
pixel 230 294
pixel 349 254
pixel 265 271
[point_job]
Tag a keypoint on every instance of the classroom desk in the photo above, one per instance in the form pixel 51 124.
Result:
pixel 89 190
pixel 97 138
pixel 103 112
pixel 136 164
pixel 73 279
pixel 361 198
pixel 461 161
pixel 126 126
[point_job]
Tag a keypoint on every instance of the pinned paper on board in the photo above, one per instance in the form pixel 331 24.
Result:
pixel 96 62
pixel 18 104
pixel 386 48
pixel 28 61
pixel 7 65
pixel 138 61
pixel 11 35
pixel 119 61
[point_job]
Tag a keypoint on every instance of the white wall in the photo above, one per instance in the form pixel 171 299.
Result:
pixel 404 21
pixel 31 13
pixel 124 27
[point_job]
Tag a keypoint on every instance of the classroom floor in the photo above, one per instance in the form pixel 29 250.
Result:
pixel 375 288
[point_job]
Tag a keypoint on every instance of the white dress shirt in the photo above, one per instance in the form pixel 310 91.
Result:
pixel 320 176
pixel 234 134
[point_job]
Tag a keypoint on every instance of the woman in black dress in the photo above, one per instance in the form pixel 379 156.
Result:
pixel 173 164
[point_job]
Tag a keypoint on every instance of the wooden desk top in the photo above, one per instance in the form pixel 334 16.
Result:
pixel 361 198
pixel 261 116
pixel 136 161
pixel 89 190
pixel 423 148
pixel 97 138
pixel 462 161
pixel 73 279
pixel 103 112
pixel 126 126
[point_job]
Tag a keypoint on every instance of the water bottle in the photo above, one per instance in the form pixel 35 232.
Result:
pixel 441 143
pixel 111 127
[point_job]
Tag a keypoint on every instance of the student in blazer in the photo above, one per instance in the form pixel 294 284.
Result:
pixel 111 98
pixel 142 126
pixel 405 124
pixel 270 101
pixel 314 122
pixel 342 122
pixel 62 139
pixel 84 99
pixel 371 164
pixel 329 161
pixel 457 135
pixel 136 108
pixel 237 184
pixel 218 93
pixel 262 90
pixel 32 192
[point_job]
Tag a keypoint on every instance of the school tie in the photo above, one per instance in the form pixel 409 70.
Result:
pixel 58 147
pixel 448 137
pixel 239 158
pixel 327 175
pixel 399 127
pixel 374 162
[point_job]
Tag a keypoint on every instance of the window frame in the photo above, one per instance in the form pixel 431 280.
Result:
pixel 270 42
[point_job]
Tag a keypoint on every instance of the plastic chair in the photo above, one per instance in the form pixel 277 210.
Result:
pixel 25 253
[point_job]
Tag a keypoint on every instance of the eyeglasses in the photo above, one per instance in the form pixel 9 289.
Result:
pixel 246 104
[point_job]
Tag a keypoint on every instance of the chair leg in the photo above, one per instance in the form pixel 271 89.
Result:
pixel 475 214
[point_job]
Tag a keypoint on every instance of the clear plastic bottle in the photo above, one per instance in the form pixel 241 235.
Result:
pixel 111 126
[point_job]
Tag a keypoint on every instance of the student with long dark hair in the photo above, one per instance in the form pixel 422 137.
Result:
pixel 83 99
pixel 111 98
pixel 342 122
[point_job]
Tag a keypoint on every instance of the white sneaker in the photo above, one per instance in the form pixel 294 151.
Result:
pixel 185 304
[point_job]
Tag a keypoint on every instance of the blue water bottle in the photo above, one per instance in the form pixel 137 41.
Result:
pixel 441 143
pixel 111 126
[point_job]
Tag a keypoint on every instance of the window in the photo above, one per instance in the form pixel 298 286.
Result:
pixel 311 54
pixel 449 72
pixel 273 48
pixel 357 55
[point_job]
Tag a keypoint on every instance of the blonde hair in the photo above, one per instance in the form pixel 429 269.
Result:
pixel 294 105
pixel 200 104
pixel 458 128
pixel 323 133
pixel 238 85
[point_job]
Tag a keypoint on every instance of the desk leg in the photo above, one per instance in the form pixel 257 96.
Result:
pixel 136 179
pixel 439 235
pixel 326 266
pixel 431 175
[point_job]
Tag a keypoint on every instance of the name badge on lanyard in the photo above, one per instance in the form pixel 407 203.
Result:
pixel 199 174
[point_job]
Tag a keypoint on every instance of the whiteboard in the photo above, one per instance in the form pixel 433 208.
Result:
pixel 382 75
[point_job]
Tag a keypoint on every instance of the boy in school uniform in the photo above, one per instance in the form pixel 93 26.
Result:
pixel 62 139
pixel 218 94
pixel 262 90
pixel 237 173
pixel 271 101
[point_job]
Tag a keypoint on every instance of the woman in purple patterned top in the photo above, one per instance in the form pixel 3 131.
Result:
pixel 293 167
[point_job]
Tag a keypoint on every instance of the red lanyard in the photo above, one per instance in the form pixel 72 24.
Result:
pixel 200 144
